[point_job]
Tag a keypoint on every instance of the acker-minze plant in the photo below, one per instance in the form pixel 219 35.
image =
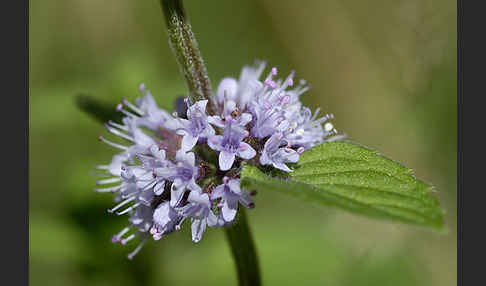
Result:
pixel 204 161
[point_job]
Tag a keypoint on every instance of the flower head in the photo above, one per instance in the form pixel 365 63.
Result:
pixel 167 169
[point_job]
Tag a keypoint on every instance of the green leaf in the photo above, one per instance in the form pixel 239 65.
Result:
pixel 357 179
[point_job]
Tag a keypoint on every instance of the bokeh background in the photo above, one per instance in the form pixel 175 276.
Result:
pixel 386 69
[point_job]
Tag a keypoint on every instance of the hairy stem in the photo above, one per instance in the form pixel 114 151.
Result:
pixel 244 253
pixel 184 46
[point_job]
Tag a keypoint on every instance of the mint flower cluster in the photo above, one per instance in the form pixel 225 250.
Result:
pixel 186 165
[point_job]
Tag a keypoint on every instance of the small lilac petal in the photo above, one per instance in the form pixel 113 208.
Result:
pixel 215 142
pixel 228 86
pixel 199 106
pixel 198 226
pixel 217 192
pixel 176 192
pixel 293 157
pixel 226 160
pixel 216 121
pixel 229 210
pixel 208 132
pixel 245 118
pixel 264 160
pixel 194 187
pixel 199 198
pixel 159 188
pixel 212 220
pixel 234 186
pixel 282 167
pixel 188 142
pixel 246 151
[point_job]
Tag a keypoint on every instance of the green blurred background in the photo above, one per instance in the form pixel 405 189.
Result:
pixel 386 69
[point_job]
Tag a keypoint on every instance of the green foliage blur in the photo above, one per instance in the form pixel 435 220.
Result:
pixel 386 69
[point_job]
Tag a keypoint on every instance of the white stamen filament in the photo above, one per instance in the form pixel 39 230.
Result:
pixel 137 250
pixel 128 209
pixel 108 181
pixel 117 237
pixel 133 107
pixel 113 144
pixel 119 126
pixel 121 204
pixel 127 113
pixel 107 190
pixel 102 167
pixel 125 240
pixel 118 133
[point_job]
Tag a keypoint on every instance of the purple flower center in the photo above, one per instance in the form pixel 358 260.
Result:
pixel 231 139
pixel 198 124
pixel 185 173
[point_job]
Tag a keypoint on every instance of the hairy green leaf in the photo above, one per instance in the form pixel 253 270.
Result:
pixel 357 179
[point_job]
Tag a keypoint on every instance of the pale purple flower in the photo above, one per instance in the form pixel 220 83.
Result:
pixel 276 152
pixel 199 210
pixel 152 116
pixel 230 115
pixel 145 112
pixel 114 168
pixel 230 145
pixel 183 174
pixel 129 131
pixel 150 163
pixel 194 127
pixel 132 191
pixel 307 130
pixel 221 121
pixel 165 220
pixel 230 194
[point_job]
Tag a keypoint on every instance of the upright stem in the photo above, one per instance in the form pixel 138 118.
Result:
pixel 243 250
pixel 184 46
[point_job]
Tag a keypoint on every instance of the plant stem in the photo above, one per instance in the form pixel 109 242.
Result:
pixel 184 46
pixel 243 250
